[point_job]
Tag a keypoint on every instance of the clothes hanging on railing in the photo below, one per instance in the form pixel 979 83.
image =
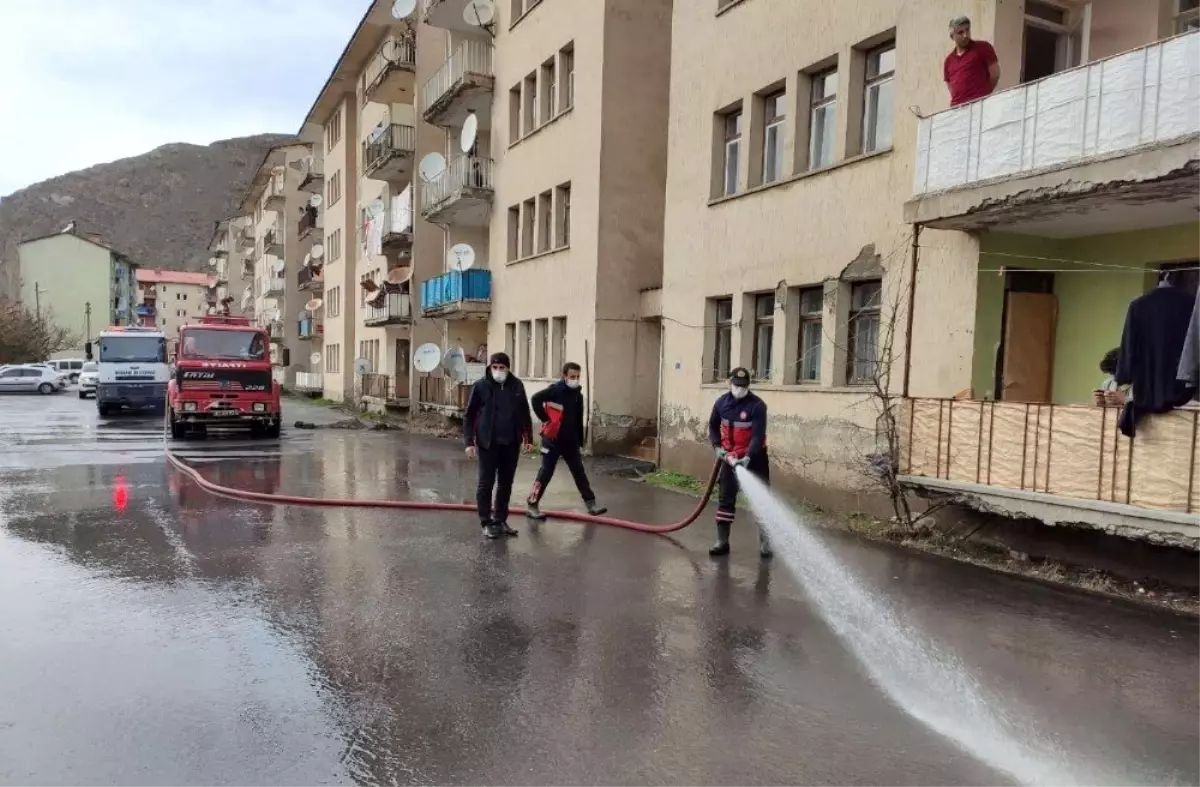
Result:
pixel 1189 359
pixel 1156 326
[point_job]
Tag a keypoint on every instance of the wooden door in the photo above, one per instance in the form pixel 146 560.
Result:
pixel 1029 346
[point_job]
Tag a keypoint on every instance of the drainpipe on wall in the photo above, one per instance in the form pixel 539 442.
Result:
pixel 658 428
pixel 912 301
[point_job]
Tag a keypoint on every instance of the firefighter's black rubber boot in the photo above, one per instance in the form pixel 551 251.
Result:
pixel 764 545
pixel 722 545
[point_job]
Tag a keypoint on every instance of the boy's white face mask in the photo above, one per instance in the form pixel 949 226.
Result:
pixel 572 383
pixel 738 391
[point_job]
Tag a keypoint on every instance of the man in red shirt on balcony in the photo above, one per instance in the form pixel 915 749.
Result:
pixel 971 69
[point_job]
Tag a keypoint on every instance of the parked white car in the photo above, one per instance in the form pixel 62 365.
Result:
pixel 89 377
pixel 31 378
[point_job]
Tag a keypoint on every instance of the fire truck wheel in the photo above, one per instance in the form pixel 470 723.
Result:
pixel 274 429
pixel 176 429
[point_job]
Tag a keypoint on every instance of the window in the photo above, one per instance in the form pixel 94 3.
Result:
pixel 559 343
pixel 514 114
pixel 527 224
pixel 722 309
pixel 333 189
pixel 510 339
pixel 1053 39
pixel 514 233
pixel 333 358
pixel 542 329
pixel 774 113
pixel 862 359
pixel 531 103
pixel 808 370
pixel 566 71
pixel 526 347
pixel 333 130
pixel 333 246
pixel 822 119
pixel 732 152
pixel 1187 15
pixel 764 336
pixel 878 99
pixel 549 92
pixel 518 8
pixel 563 218
pixel 543 221
pixel 333 304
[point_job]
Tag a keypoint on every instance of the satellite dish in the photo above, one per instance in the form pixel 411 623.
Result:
pixel 479 12
pixel 315 200
pixel 461 257
pixel 362 366
pixel 212 262
pixel 399 275
pixel 313 306
pixel 317 251
pixel 402 9
pixel 455 364
pixel 427 357
pixel 314 359
pixel 280 266
pixel 431 166
pixel 470 129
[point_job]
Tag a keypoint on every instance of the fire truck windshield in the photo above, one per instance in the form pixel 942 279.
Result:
pixel 238 345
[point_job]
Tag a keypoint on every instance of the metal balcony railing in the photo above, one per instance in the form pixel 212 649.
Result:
pixel 392 140
pixel 311 328
pixel 471 57
pixel 309 278
pixel 396 306
pixel 275 330
pixel 310 381
pixel 456 287
pixel 311 220
pixel 273 285
pixel 394 52
pixel 463 172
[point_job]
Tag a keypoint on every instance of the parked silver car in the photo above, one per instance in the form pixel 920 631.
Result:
pixel 29 378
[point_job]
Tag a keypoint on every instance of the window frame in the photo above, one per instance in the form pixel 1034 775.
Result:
pixel 876 82
pixel 806 321
pixel 774 126
pixel 722 360
pixel 827 102
pixel 731 140
pixel 872 309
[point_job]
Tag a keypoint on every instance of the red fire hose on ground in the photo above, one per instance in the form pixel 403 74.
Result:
pixel 425 505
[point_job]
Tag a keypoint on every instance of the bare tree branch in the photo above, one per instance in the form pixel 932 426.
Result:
pixel 26 337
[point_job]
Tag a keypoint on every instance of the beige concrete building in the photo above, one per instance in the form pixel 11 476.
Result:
pixel 278 254
pixel 814 163
pixel 170 299
pixel 225 261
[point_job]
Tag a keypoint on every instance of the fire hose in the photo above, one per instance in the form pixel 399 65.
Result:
pixel 429 505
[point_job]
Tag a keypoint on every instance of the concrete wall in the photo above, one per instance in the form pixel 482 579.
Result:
pixel 68 273
pixel 809 229
pixel 178 304
pixel 340 274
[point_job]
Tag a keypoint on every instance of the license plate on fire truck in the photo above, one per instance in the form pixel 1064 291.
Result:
pixel 223 413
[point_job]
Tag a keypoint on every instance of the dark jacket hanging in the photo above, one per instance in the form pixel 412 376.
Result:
pixel 1155 328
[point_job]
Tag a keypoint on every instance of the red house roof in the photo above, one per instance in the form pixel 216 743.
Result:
pixel 148 276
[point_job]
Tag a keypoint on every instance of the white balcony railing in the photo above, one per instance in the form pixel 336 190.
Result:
pixel 471 57
pixel 1140 97
pixel 463 172
pixel 395 306
pixel 310 381
pixel 395 51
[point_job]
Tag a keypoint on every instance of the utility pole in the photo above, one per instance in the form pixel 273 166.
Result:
pixel 87 321
pixel 37 299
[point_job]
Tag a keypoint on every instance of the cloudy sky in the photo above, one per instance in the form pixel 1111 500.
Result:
pixel 88 81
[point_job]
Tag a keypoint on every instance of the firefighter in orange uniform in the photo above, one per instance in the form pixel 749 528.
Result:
pixel 737 430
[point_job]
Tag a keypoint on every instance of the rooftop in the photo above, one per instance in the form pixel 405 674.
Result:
pixel 148 276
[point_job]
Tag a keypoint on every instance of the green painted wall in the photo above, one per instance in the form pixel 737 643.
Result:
pixel 69 272
pixel 1091 305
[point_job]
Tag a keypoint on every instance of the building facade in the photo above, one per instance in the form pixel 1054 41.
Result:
pixel 81 283
pixel 170 299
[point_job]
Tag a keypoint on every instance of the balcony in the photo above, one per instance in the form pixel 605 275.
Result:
pixel 463 84
pixel 245 239
pixel 391 74
pixel 311 328
pixel 275 197
pixel 210 295
pixel 273 242
pixel 248 263
pixel 458 295
pixel 310 279
pixel 388 154
pixel 275 331
pixel 1062 464
pixel 1109 144
pixel 390 390
pixel 462 194
pixel 311 220
pixel 273 286
pixel 388 308
pixel 448 15
pixel 312 175
pixel 310 382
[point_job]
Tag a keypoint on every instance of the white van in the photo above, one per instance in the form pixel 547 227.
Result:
pixel 70 367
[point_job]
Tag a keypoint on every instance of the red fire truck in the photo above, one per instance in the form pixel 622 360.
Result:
pixel 222 378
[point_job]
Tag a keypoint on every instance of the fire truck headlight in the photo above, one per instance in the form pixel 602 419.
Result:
pixel 260 407
pixel 189 407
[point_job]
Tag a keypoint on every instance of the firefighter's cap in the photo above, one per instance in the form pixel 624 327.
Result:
pixel 740 377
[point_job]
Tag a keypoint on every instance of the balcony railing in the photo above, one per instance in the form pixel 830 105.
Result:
pixel 1108 107
pixel 1069 451
pixel 275 330
pixel 389 152
pixel 309 278
pixel 273 285
pixel 471 57
pixel 395 60
pixel 463 173
pixel 309 221
pixel 246 239
pixel 395 307
pixel 310 382
pixel 312 173
pixel 311 328
pixel 275 192
pixel 457 292
pixel 442 393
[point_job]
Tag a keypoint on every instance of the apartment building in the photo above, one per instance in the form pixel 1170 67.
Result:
pixel 225 260
pixel 814 168
pixel 78 280
pixel 561 195
pixel 277 253
pixel 169 299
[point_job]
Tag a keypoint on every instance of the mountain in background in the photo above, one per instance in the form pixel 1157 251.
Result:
pixel 157 208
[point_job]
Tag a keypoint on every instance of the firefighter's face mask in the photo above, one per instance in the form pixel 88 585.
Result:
pixel 738 391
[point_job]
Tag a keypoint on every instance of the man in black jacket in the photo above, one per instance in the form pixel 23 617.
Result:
pixel 496 426
pixel 560 409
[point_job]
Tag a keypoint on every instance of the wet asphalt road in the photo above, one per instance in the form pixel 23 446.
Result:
pixel 152 634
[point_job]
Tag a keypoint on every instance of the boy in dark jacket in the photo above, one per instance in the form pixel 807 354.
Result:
pixel 496 426
pixel 737 430
pixel 560 409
